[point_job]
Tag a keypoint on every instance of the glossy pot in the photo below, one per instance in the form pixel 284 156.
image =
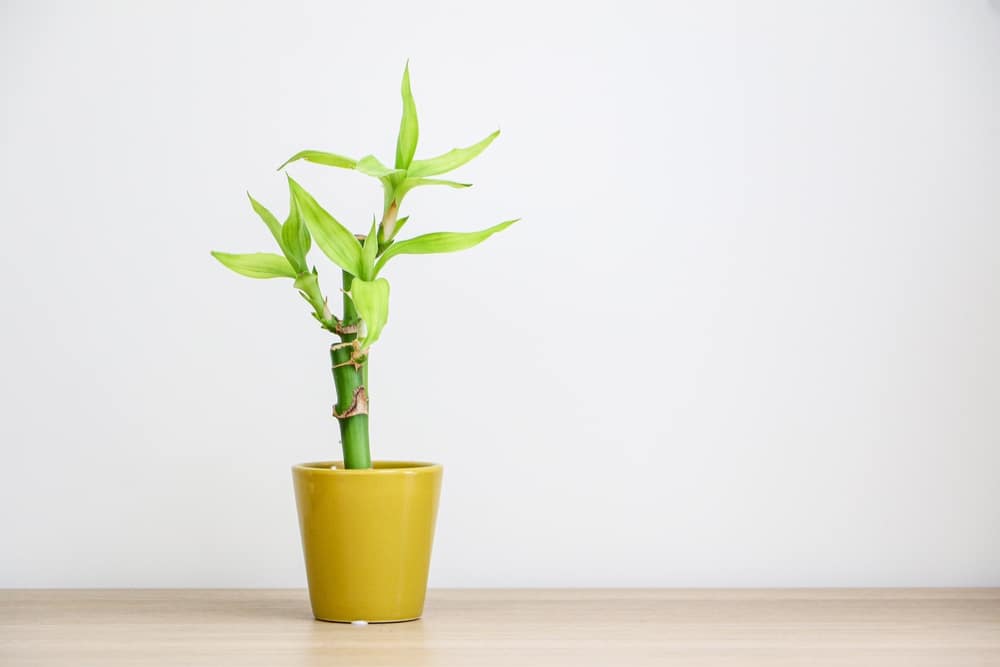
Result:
pixel 366 537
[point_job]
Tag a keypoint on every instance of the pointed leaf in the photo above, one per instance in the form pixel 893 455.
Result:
pixel 321 157
pixel 409 129
pixel 453 159
pixel 304 238
pixel 335 240
pixel 369 252
pixel 399 226
pixel 410 183
pixel 401 222
pixel 372 302
pixel 438 242
pixel 257 265
pixel 268 218
pixel 295 240
pixel 436 181
pixel 371 165
pixel 295 218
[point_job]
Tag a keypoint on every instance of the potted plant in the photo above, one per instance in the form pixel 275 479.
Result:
pixel 367 527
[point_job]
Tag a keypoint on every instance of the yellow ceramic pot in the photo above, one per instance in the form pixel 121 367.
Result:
pixel 367 537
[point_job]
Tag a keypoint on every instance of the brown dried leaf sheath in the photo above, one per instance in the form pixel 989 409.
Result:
pixel 359 405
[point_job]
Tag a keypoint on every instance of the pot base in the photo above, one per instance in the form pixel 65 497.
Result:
pixel 392 620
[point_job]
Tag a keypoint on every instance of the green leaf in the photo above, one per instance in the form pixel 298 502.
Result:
pixel 438 242
pixel 409 129
pixel 401 222
pixel 436 181
pixel 453 159
pixel 268 218
pixel 295 240
pixel 372 302
pixel 411 183
pixel 399 226
pixel 369 252
pixel 257 265
pixel 335 240
pixel 321 157
pixel 305 240
pixel 370 165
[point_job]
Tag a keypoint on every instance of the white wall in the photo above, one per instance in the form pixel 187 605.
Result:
pixel 748 333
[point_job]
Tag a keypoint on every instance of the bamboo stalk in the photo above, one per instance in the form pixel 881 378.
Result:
pixel 350 377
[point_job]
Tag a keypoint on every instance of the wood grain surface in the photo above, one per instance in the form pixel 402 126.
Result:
pixel 525 628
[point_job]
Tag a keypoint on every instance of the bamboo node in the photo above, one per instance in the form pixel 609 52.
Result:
pixel 359 405
pixel 342 328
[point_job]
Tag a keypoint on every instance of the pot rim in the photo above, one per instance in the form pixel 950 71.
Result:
pixel 379 468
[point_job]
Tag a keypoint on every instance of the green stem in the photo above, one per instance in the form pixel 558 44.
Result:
pixel 350 376
pixel 308 284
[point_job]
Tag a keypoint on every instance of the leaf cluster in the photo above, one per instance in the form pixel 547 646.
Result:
pixel 361 257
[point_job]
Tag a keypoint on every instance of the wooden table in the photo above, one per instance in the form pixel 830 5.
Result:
pixel 524 628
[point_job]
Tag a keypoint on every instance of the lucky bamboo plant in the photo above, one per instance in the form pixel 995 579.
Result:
pixel 360 258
